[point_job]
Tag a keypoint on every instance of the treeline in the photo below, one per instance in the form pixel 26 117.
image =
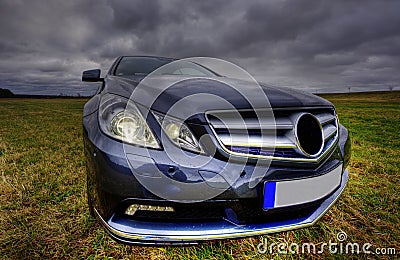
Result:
pixel 6 93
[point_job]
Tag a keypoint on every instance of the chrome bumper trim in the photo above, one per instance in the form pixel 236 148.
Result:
pixel 155 233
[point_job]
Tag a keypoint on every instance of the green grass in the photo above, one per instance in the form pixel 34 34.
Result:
pixel 43 211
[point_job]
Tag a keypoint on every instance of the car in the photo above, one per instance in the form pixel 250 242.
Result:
pixel 177 152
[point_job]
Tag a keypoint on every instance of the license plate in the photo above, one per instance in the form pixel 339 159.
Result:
pixel 295 192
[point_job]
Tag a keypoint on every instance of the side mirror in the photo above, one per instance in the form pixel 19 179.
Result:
pixel 91 75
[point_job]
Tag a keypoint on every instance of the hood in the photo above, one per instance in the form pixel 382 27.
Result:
pixel 184 97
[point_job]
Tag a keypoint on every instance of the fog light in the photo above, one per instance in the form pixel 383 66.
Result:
pixel 131 210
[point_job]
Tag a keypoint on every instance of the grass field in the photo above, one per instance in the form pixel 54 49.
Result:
pixel 43 211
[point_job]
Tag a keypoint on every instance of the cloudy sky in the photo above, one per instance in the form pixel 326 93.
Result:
pixel 316 45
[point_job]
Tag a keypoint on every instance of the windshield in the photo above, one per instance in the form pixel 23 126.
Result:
pixel 139 66
pixel 142 66
pixel 186 68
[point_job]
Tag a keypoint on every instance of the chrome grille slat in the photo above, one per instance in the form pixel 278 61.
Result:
pixel 264 141
pixel 325 118
pixel 252 123
pixel 329 131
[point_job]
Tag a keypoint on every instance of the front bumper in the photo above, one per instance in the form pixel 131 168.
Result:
pixel 141 232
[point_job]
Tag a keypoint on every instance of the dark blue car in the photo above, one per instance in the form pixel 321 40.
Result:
pixel 179 153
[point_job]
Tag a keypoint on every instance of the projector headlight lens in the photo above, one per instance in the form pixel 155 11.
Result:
pixel 122 120
pixel 179 133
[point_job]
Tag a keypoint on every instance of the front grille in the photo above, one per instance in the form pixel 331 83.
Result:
pixel 272 134
pixel 239 212
pixel 183 213
pixel 250 212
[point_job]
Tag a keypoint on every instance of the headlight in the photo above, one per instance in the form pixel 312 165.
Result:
pixel 178 133
pixel 121 119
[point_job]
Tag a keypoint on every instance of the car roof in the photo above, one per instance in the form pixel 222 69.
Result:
pixel 148 56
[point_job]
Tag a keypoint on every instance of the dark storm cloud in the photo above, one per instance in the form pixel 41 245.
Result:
pixel 45 45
